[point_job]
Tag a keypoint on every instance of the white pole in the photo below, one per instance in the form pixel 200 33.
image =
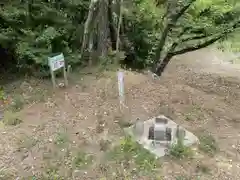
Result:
pixel 121 88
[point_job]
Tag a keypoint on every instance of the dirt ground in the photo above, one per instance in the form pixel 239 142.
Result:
pixel 63 136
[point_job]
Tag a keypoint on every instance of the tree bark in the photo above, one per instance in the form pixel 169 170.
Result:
pixel 87 24
pixel 119 24
pixel 112 30
pixel 102 28
pixel 90 49
pixel 160 69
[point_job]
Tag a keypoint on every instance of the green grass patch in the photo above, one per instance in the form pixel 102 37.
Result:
pixel 129 150
pixel 61 139
pixel 194 113
pixel 51 173
pixel 5 174
pixel 208 144
pixel 82 160
pixel 11 118
pixel 17 103
pixel 183 177
pixel 180 151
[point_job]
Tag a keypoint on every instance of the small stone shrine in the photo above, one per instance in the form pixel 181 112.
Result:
pixel 157 134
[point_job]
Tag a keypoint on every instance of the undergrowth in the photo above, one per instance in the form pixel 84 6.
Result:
pixel 180 151
pixel 130 151
pixel 208 144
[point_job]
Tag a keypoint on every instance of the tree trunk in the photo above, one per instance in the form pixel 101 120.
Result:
pixel 171 20
pixel 90 49
pixel 102 28
pixel 162 42
pixel 119 24
pixel 160 69
pixel 87 24
pixel 112 30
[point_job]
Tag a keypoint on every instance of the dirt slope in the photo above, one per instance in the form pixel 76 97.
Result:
pixel 196 91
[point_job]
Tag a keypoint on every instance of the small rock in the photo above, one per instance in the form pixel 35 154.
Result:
pixel 61 85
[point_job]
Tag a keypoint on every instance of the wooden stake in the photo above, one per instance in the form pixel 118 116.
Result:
pixel 53 79
pixel 65 75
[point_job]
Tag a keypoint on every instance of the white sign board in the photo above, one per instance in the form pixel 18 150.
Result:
pixel 56 62
pixel 121 86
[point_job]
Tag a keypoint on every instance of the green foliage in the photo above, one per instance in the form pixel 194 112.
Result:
pixel 2 95
pixel 35 30
pixel 208 144
pixel 82 159
pixel 180 151
pixel 128 150
pixel 183 177
pixel 38 30
pixel 143 27
pixel 61 138
pixel 17 103
pixel 204 18
pixel 111 61
pixel 231 43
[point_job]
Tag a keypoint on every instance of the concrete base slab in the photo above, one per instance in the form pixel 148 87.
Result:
pixel 140 133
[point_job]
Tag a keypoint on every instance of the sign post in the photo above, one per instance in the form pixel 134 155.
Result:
pixel 121 88
pixel 55 63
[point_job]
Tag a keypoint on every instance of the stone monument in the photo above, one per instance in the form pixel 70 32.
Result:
pixel 157 134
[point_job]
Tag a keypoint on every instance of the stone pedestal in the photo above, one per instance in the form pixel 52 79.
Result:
pixel 158 133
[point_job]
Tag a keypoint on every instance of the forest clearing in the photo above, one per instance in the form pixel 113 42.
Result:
pixel 62 64
pixel 73 133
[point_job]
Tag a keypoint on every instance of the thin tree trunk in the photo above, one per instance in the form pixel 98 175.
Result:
pixel 102 28
pixel 87 24
pixel 29 8
pixel 160 69
pixel 168 25
pixel 112 30
pixel 119 24
pixel 90 49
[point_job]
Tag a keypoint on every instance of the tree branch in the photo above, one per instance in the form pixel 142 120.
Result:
pixel 198 46
pixel 207 42
pixel 167 28
pixel 196 37
pixel 160 67
pixel 175 17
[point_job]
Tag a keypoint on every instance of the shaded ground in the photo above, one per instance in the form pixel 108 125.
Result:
pixel 70 134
